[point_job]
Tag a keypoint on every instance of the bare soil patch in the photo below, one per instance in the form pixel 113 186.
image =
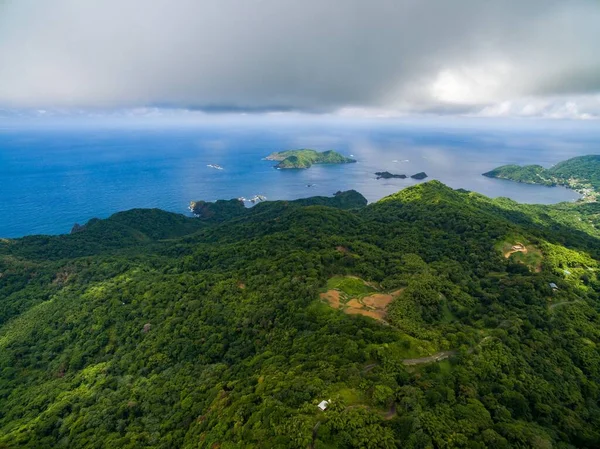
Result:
pixel 332 297
pixel 354 303
pixel 376 314
pixel 373 306
pixel 378 301
pixel 516 248
pixel 530 256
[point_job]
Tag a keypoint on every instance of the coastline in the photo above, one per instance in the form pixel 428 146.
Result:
pixel 587 193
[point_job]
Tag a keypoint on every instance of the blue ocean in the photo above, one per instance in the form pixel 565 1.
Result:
pixel 51 178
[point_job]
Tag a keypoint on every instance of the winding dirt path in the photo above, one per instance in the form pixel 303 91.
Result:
pixel 437 357
pixel 552 306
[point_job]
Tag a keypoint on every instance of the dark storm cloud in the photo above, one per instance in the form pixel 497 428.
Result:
pixel 314 55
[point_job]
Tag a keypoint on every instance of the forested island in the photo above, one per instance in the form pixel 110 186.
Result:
pixel 388 175
pixel 305 158
pixel 581 174
pixel 431 318
pixel 420 175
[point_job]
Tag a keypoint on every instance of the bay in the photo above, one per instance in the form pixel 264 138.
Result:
pixel 53 178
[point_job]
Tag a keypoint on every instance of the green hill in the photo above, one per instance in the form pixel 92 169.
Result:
pixel 579 173
pixel 426 319
pixel 585 169
pixel 306 158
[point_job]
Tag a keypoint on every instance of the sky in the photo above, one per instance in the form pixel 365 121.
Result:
pixel 349 58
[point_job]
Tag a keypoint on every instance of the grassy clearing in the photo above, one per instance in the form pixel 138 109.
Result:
pixel 351 396
pixel 532 259
pixel 351 286
pixel 520 250
pixel 447 315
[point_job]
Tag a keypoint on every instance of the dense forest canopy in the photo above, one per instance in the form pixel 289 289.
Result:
pixel 432 318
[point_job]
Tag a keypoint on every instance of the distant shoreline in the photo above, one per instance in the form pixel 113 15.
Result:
pixel 579 174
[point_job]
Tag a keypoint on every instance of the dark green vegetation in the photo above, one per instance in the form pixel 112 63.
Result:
pixel 153 330
pixel 223 210
pixel 579 173
pixel 306 158
pixel 220 209
pixel 388 175
pixel 420 175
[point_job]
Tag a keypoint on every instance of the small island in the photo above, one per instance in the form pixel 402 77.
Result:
pixel 388 175
pixel 581 174
pixel 420 175
pixel 305 158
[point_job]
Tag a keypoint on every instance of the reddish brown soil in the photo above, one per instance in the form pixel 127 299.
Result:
pixel 373 306
pixel 332 297
pixel 516 248
pixel 375 314
pixel 353 303
pixel 378 301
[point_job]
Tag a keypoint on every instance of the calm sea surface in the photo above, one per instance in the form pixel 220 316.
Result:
pixel 50 179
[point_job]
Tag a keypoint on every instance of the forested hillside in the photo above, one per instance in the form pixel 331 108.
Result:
pixel 580 173
pixel 432 318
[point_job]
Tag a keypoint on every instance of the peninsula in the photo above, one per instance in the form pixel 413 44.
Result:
pixel 581 174
pixel 305 158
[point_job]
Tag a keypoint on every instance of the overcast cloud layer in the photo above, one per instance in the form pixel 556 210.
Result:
pixel 496 58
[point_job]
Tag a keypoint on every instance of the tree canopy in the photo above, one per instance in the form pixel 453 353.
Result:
pixel 155 330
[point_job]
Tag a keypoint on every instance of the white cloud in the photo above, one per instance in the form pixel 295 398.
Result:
pixel 388 57
pixel 472 84
pixel 575 107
